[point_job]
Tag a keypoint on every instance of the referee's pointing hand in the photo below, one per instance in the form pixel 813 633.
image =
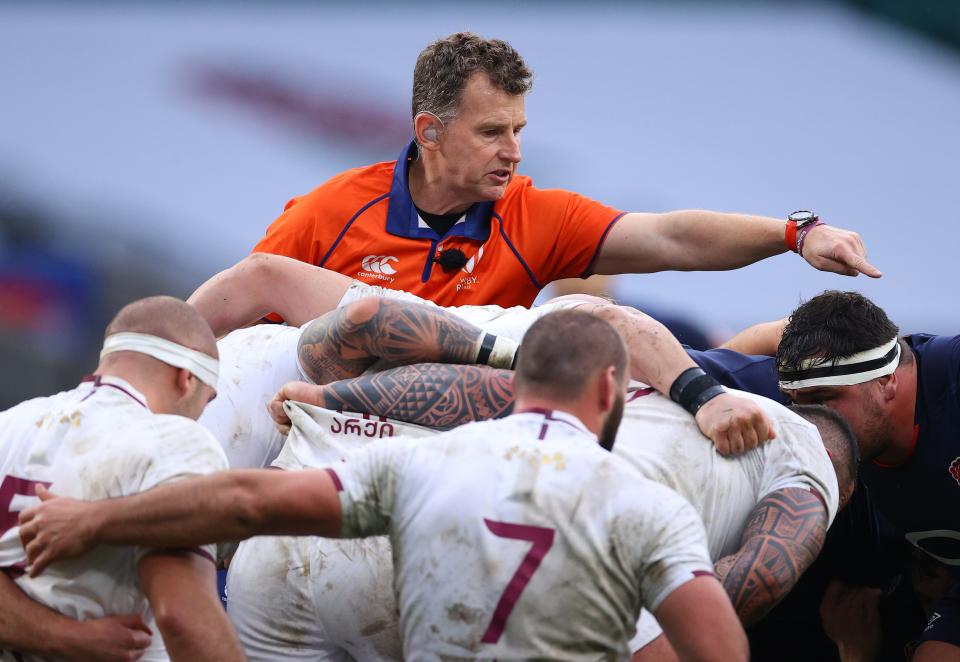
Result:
pixel 841 251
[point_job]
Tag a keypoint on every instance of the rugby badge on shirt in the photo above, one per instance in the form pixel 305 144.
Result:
pixel 955 469
pixel 467 282
pixel 378 267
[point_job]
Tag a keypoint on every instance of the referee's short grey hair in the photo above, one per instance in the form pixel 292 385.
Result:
pixel 444 67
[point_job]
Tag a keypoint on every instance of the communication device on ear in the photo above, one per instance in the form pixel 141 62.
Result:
pixel 430 133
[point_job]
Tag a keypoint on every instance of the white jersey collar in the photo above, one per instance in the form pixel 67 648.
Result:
pixel 539 414
pixel 93 382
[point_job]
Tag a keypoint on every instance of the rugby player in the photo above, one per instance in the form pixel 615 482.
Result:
pixel 452 220
pixel 901 396
pixel 444 396
pixel 460 509
pixel 258 361
pixel 766 511
pixel 125 429
pixel 399 328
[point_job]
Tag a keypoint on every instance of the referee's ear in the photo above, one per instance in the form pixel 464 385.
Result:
pixel 427 127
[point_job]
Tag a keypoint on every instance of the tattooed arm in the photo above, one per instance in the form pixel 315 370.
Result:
pixel 437 395
pixel 782 538
pixel 346 341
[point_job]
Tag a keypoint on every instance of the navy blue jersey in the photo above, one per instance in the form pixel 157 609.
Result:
pixel 856 550
pixel 754 374
pixel 922 495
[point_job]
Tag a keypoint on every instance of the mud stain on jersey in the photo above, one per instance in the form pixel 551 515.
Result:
pixel 461 613
pixel 374 628
pixel 73 419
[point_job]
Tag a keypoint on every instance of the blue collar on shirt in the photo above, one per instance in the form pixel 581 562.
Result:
pixel 402 217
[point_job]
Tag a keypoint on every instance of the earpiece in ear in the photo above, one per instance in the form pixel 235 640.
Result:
pixel 430 134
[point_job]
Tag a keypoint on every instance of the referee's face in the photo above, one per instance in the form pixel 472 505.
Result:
pixel 480 147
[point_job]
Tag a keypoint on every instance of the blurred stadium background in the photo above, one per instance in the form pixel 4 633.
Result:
pixel 146 145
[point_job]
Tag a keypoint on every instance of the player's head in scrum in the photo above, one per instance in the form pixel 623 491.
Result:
pixel 468 112
pixel 840 443
pixel 166 350
pixel 841 350
pixel 575 361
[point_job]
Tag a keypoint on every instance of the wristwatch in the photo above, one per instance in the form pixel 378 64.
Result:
pixel 799 223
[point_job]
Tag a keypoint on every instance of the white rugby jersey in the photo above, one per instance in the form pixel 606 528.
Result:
pixel 510 322
pixel 254 364
pixel 661 440
pixel 519 537
pixel 97 441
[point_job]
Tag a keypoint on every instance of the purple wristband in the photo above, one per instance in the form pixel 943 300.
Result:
pixel 803 232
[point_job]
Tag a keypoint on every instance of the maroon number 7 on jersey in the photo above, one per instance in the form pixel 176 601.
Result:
pixel 9 488
pixel 542 539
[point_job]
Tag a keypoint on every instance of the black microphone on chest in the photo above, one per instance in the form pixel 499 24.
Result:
pixel 451 259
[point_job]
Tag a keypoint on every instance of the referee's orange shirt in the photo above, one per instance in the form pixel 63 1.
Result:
pixel 362 223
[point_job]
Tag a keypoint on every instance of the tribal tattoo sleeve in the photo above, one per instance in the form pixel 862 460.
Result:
pixel 782 538
pixel 346 341
pixel 437 395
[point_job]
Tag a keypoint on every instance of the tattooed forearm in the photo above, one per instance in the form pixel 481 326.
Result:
pixel 784 535
pixel 436 395
pixel 346 341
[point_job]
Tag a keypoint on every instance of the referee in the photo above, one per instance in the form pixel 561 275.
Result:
pixel 451 219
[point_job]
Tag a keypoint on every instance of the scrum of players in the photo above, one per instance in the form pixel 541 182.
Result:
pixel 387 478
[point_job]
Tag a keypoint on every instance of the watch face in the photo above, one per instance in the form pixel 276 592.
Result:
pixel 802 217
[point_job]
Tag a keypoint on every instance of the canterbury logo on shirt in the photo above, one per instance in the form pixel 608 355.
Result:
pixel 379 264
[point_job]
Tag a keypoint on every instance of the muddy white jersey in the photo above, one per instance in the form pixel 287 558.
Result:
pixel 96 441
pixel 510 322
pixel 254 364
pixel 519 538
pixel 661 440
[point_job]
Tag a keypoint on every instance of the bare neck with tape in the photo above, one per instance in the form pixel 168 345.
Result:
pixel 202 366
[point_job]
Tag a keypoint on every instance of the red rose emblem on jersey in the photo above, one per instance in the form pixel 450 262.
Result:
pixel 955 469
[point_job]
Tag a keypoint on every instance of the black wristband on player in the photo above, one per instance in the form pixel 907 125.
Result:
pixel 694 388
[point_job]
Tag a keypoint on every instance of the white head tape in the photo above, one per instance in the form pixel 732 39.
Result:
pixel 204 367
pixel 855 369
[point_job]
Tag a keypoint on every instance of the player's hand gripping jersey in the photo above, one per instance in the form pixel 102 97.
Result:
pixel 661 440
pixel 551 553
pixel 97 441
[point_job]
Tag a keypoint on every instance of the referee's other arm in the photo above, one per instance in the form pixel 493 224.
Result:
pixel 698 240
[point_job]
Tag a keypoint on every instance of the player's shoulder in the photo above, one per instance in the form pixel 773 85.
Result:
pixel 257 337
pixel 39 411
pixel 161 434
pixel 178 441
pixel 181 427
pixel 27 407
pixel 632 496
pixel 938 356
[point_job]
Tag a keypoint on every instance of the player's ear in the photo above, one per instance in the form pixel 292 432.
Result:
pixel 607 388
pixel 428 128
pixel 183 381
pixel 888 386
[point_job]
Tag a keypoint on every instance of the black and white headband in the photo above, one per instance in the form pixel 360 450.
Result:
pixel 855 369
